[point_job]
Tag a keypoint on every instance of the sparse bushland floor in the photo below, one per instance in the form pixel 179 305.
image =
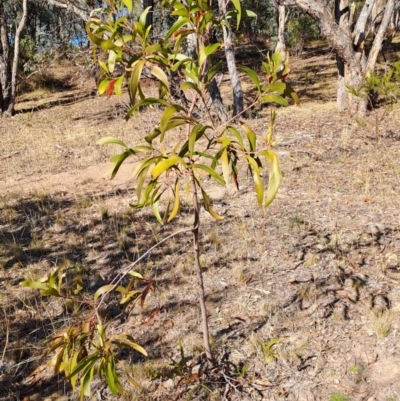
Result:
pixel 319 270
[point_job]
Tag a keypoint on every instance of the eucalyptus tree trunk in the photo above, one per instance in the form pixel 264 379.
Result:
pixel 376 13
pixel 79 8
pixel 5 70
pixel 190 49
pixel 217 101
pixel 349 41
pixel 231 62
pixel 379 37
pixel 281 45
pixel 342 14
pixel 359 34
pixel 8 69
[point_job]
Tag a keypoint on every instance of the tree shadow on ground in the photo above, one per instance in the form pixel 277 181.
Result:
pixel 38 233
pixel 64 99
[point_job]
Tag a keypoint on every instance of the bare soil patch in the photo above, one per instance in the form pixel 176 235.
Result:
pixel 318 271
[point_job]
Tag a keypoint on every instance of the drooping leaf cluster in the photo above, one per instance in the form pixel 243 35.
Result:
pixel 85 350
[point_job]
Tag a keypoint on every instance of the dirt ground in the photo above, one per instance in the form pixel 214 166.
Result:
pixel 303 297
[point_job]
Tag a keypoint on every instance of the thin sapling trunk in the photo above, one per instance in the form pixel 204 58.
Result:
pixel 196 250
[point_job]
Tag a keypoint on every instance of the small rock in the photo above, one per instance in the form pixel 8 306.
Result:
pixel 392 261
pixel 169 384
pixel 196 369
pixel 379 304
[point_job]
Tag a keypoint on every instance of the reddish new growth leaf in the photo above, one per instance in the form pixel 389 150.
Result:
pixel 145 293
pixel 235 180
pixel 110 87
pixel 180 32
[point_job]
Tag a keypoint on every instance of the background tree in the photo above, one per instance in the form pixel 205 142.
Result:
pixel 9 54
pixel 265 24
pixel 33 33
pixel 281 21
pixel 237 91
pixel 300 30
pixel 283 27
pixel 350 40
pixel 80 8
pixel 149 15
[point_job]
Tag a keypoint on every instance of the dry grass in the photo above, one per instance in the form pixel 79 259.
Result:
pixel 318 270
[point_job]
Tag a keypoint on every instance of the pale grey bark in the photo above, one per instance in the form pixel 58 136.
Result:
pixel 8 67
pixel 5 71
pixel 281 45
pixel 342 17
pixel 21 26
pixel 79 8
pixel 231 62
pixel 190 50
pixel 360 26
pixel 348 44
pixel 217 101
pixel 379 37
pixel 395 22
pixel 377 11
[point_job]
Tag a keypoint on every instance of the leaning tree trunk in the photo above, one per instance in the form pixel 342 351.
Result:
pixel 367 64
pixel 82 13
pixel 231 62
pixel 379 37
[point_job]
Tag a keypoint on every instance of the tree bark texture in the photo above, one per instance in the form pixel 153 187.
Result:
pixel 281 45
pixel 8 62
pixel 379 37
pixel 14 71
pixel 5 70
pixel 190 48
pixel 342 15
pixel 217 101
pixel 350 45
pixel 80 9
pixel 359 31
pixel 237 91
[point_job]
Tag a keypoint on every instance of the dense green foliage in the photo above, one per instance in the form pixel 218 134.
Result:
pixel 301 29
